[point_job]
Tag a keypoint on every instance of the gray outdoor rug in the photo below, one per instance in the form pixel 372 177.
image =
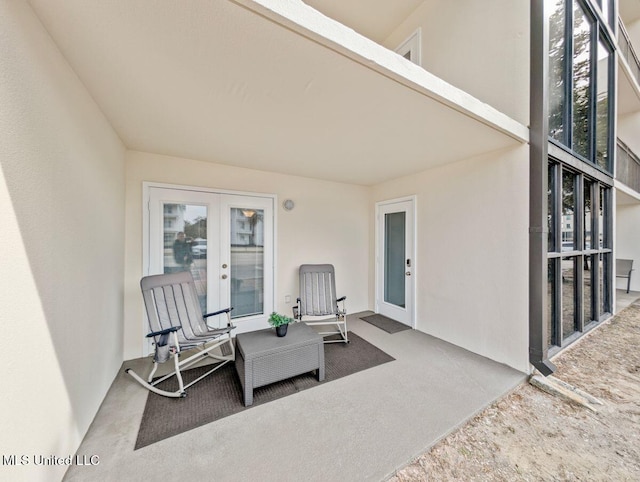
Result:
pixel 220 394
pixel 386 324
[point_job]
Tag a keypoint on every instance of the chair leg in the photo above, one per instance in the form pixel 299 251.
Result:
pixel 629 282
pixel 151 387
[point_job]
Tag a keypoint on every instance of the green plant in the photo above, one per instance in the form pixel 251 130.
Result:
pixel 276 319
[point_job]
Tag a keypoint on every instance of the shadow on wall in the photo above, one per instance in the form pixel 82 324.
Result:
pixel 62 194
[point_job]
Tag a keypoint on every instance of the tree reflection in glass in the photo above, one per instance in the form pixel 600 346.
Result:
pixel 557 66
pixel 568 211
pixel 602 107
pixel 581 81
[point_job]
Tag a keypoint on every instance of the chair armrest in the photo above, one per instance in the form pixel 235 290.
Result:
pixel 164 332
pixel 226 310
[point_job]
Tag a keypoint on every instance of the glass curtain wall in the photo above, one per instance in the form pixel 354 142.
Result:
pixel 580 89
pixel 580 81
pixel 579 270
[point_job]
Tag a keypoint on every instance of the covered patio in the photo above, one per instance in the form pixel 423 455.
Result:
pixel 101 98
pixel 361 427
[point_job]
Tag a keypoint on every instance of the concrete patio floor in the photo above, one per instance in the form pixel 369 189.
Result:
pixel 624 299
pixel 361 427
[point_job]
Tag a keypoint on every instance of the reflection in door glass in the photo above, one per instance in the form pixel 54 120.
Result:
pixel 185 244
pixel 394 258
pixel 569 318
pixel 587 290
pixel 568 210
pixel 587 214
pixel 551 303
pixel 247 262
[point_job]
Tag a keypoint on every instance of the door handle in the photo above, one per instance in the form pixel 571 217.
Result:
pixel 408 273
pixel 224 276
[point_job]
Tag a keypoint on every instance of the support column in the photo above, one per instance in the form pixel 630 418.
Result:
pixel 538 166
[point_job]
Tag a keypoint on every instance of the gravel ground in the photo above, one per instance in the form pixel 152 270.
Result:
pixel 531 435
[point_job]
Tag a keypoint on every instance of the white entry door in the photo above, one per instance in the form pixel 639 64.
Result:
pixel 395 260
pixel 224 240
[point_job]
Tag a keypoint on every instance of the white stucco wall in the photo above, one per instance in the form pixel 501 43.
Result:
pixel 329 224
pixel 628 241
pixel 61 249
pixel 479 47
pixel 633 29
pixel 627 216
pixel 472 253
pixel 627 131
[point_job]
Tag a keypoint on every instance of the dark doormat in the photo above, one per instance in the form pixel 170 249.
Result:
pixel 386 324
pixel 220 394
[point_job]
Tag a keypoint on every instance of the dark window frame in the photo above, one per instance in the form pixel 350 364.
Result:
pixel 583 319
pixel 599 32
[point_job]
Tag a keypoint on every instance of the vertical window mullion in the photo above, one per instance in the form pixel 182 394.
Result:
pixel 612 112
pixel 558 306
pixel 595 270
pixel 579 208
pixel 579 265
pixel 608 220
pixel 558 207
pixel 593 94
pixel 608 244
pixel 568 75
pixel 593 259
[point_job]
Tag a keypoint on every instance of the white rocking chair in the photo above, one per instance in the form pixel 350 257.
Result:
pixel 318 300
pixel 176 324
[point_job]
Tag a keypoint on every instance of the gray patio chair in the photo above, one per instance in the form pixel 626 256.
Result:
pixel 318 305
pixel 177 324
pixel 624 267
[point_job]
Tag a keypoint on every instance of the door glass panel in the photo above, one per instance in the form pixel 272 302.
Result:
pixel 603 235
pixel 394 258
pixel 604 268
pixel 185 243
pixel 587 290
pixel 568 210
pixel 587 214
pixel 551 302
pixel 568 297
pixel 247 261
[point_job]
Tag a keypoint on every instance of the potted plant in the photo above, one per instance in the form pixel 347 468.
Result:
pixel 280 323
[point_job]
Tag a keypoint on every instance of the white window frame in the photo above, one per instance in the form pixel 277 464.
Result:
pixel 248 324
pixel 413 46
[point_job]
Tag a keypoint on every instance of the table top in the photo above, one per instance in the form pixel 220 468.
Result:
pixel 264 342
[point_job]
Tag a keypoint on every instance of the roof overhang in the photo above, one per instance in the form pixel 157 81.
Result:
pixel 268 84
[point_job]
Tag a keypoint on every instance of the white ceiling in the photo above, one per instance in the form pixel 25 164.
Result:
pixel 624 198
pixel 217 81
pixel 629 10
pixel 628 100
pixel 375 19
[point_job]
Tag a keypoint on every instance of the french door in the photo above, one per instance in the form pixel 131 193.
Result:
pixel 224 240
pixel 395 257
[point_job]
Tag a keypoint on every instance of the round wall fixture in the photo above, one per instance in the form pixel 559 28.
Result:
pixel 288 205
